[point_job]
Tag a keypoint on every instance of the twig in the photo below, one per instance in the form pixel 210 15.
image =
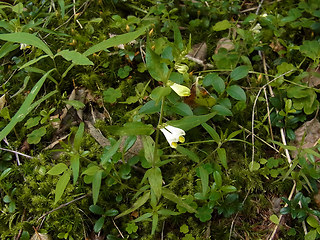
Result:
pixel 234 219
pixel 200 62
pixel 258 9
pixel 15 152
pixel 254 106
pixel 63 205
pixel 162 231
pixel 117 228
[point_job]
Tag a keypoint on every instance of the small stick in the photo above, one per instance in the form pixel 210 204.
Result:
pixel 15 152
pixel 117 228
pixel 62 205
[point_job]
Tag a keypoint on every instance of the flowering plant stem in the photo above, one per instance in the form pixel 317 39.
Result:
pixel 155 153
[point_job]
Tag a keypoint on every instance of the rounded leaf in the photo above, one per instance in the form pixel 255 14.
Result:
pixel 237 93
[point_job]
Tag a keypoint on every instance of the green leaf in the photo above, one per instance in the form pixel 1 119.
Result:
pixel 75 166
pixel 177 36
pixel 155 218
pixel 132 227
pixel 140 201
pixel 254 166
pixel 107 155
pixel 217 179
pixel 78 137
pixel 91 170
pixel 228 189
pixel 124 72
pixel 204 213
pixel 274 218
pixel 310 48
pixel 115 41
pixel 111 95
pixel 167 212
pixel 312 221
pixel 222 25
pixel 143 217
pixel 33 61
pixel 168 194
pixel 190 122
pixel 159 92
pixel 35 136
pixel 236 92
pixel 155 179
pixel 5 173
pixel 111 212
pixel 214 80
pixel 312 235
pixel 150 107
pixel 98 225
pixel 223 157
pixel 96 209
pixel 18 8
pixel 61 185
pixel 184 229
pixel 6 48
pixel 184 151
pixel 204 176
pixel 76 57
pixel 75 103
pixel 148 145
pixel 157 69
pixel 215 136
pixel 222 110
pixel 239 72
pixel 26 107
pixel 131 128
pixel 26 38
pixel 96 183
pixel 57 169
pixel 182 109
pixel 32 122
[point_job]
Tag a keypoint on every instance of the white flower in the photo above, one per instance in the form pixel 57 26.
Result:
pixel 181 90
pixel 256 28
pixel 173 135
pixel 24 46
pixel 181 68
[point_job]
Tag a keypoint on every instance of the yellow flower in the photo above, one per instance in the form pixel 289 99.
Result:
pixel 173 135
pixel 181 90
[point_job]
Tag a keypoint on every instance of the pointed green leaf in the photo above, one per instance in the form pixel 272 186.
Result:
pixel 75 166
pixel 26 107
pixel 222 25
pixel 106 156
pixel 33 61
pixel 168 194
pixel 132 128
pixel 115 41
pixel 184 151
pixel 236 92
pixel 148 146
pixel 61 185
pixel 26 38
pixel 142 200
pixel 239 72
pixel 190 122
pixel 213 133
pixel 96 183
pixel 76 57
pixel 155 219
pixel 78 137
pixel 204 176
pixel 157 69
pixel 274 218
pixel 217 179
pixel 155 179
pixel 57 169
pixel 223 157
pixel 98 225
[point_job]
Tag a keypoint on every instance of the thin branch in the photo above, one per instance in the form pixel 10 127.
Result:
pixel 63 205
pixel 15 152
pixel 117 228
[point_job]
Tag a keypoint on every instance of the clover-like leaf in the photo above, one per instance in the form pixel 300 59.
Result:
pixel 111 95
pixel 204 213
pixel 35 136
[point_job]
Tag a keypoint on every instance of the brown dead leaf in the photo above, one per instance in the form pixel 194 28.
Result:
pixel 276 46
pixel 199 51
pixel 307 135
pixel 313 79
pixel 2 101
pixel 224 43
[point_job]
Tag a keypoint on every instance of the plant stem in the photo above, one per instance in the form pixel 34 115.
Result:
pixel 155 153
